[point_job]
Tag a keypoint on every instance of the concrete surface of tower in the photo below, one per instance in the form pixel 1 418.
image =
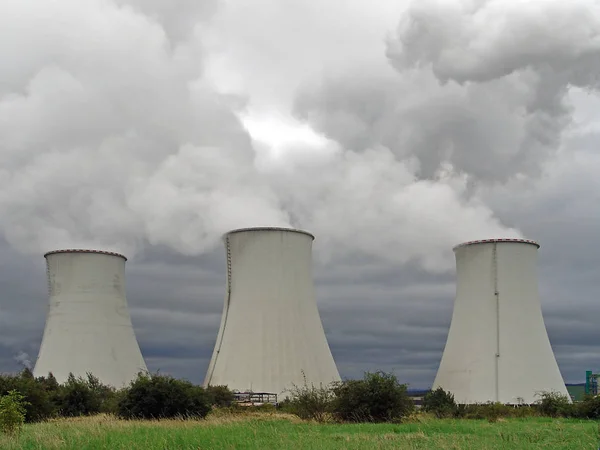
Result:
pixel 88 328
pixel 271 334
pixel 497 347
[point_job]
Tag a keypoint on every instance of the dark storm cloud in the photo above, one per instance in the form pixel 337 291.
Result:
pixel 561 212
pixel 23 303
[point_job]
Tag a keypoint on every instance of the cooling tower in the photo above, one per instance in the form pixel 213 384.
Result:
pixel 498 348
pixel 271 334
pixel 88 328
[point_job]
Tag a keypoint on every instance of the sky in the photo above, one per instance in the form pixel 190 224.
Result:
pixel 391 130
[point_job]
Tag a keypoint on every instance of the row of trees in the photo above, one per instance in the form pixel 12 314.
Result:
pixel 148 397
pixel 550 404
pixel 378 397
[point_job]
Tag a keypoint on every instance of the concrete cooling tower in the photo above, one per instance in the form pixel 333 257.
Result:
pixel 88 328
pixel 498 348
pixel 271 332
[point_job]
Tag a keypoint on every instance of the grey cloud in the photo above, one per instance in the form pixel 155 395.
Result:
pixel 114 137
pixel 178 18
pixel 476 87
pixel 466 41
pixel 129 146
pixel 476 128
pixel 24 360
pixel 113 141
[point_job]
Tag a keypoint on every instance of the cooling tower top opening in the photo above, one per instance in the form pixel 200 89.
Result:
pixel 81 250
pixel 292 230
pixel 488 241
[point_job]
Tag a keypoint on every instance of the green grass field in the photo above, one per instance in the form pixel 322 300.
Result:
pixel 279 431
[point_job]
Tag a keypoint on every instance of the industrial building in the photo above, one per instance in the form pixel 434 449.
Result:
pixel 88 327
pixel 271 336
pixel 497 349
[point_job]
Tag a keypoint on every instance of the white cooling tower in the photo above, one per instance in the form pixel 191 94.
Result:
pixel 498 348
pixel 88 328
pixel 271 334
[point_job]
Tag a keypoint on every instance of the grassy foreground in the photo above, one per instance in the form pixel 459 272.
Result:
pixel 280 431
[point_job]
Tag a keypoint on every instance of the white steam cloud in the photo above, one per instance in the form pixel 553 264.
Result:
pixel 113 136
pixel 482 85
pixel 110 136
pixel 24 360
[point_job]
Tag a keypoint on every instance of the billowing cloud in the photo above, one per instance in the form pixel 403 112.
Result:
pixel 480 41
pixel 370 203
pixel 113 136
pixel 178 18
pixel 481 85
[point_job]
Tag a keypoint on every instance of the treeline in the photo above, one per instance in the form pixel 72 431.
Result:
pixel 550 404
pixel 148 397
pixel 377 397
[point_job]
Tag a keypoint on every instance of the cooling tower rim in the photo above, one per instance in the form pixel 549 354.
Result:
pixel 291 230
pixel 491 241
pixel 83 250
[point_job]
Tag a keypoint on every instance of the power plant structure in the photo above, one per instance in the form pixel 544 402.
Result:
pixel 88 327
pixel 271 336
pixel 497 348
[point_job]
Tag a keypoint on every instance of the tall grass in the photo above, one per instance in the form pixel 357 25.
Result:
pixel 259 430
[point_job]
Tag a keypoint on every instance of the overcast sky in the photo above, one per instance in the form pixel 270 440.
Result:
pixel 391 130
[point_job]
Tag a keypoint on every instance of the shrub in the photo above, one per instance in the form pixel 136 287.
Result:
pixel 12 412
pixel 161 396
pixel 484 411
pixel 525 411
pixel 378 397
pixel 79 397
pixel 38 397
pixel 220 396
pixel 494 410
pixel 264 408
pixel 553 404
pixel 440 403
pixel 589 408
pixel 105 397
pixel 312 402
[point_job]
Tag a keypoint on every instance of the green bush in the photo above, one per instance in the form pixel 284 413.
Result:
pixel 106 397
pixel 84 397
pixel 494 410
pixel 525 411
pixel 312 402
pixel 264 408
pixel 553 404
pixel 12 412
pixel 589 408
pixel 161 396
pixel 39 394
pixel 440 403
pixel 220 396
pixel 485 411
pixel 378 397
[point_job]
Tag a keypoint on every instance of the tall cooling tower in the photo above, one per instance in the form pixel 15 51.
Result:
pixel 498 348
pixel 271 334
pixel 88 328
